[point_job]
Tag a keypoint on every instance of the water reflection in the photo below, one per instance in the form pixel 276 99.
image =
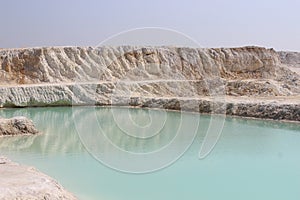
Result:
pixel 256 154
pixel 57 127
pixel 59 133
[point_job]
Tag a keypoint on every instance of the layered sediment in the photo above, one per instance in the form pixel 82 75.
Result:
pixel 247 81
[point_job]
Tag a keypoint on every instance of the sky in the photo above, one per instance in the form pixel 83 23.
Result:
pixel 210 23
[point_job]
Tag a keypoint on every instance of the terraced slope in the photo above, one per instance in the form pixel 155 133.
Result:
pixel 247 81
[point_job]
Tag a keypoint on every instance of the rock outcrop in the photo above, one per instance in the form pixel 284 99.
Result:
pixel 247 81
pixel 17 126
pixel 291 59
pixel 26 183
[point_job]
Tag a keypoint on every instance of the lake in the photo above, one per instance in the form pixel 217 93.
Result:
pixel 116 153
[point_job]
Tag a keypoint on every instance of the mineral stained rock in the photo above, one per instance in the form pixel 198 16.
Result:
pixel 17 126
pixel 246 81
pixel 19 182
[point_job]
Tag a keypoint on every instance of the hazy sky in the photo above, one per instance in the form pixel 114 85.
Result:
pixel 212 23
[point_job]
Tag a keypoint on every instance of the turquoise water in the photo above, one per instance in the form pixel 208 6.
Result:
pixel 253 159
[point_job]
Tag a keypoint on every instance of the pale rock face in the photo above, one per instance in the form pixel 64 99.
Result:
pixel 291 59
pixel 68 64
pixel 127 74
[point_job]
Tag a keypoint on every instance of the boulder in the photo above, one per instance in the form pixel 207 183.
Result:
pixel 17 126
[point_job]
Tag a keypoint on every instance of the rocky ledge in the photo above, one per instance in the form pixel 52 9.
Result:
pixel 17 126
pixel 19 182
pixel 246 81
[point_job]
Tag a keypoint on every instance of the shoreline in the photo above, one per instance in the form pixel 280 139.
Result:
pixel 275 108
pixel 23 182
pixel 154 108
pixel 245 82
pixel 52 184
